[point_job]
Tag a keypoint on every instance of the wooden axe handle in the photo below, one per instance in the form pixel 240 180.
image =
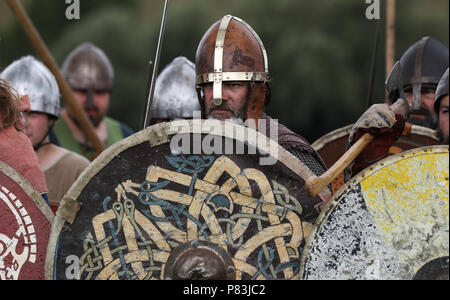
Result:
pixel 315 184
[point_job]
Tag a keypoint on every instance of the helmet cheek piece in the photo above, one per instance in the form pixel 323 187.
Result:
pixel 258 98
pixel 201 100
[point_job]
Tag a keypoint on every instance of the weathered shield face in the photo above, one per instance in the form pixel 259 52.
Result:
pixel 389 222
pixel 145 209
pixel 25 223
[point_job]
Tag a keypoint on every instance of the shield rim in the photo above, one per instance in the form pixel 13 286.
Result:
pixel 341 132
pixel 334 201
pixel 29 190
pixel 35 196
pixel 157 135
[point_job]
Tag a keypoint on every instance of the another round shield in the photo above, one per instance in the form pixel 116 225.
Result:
pixel 389 222
pixel 332 146
pixel 149 206
pixel 25 224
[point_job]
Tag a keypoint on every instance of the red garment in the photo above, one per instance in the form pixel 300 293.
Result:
pixel 17 151
pixel 379 147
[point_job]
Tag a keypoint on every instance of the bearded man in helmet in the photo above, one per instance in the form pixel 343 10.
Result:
pixel 90 74
pixel 34 81
pixel 422 66
pixel 233 84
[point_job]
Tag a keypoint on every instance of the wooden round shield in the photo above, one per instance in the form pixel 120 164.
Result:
pixel 389 222
pixel 332 146
pixel 25 224
pixel 149 199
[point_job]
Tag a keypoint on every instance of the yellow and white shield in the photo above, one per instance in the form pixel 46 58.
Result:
pixel 391 221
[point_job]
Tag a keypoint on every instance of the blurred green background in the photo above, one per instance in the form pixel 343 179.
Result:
pixel 319 51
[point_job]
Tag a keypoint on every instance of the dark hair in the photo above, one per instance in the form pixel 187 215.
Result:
pixel 9 107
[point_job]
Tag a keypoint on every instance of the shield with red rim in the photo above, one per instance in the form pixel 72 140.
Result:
pixel 25 225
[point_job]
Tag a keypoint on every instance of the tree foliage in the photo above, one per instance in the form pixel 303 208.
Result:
pixel 319 51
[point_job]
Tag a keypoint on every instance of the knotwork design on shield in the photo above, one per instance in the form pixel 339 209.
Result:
pixel 219 213
pixel 122 224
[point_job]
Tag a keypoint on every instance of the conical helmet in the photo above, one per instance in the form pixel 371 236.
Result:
pixel 88 68
pixel 31 77
pixel 175 94
pixel 422 64
pixel 232 51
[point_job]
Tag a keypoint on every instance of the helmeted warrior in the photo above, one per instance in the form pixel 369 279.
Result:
pixel 61 167
pixel 16 149
pixel 30 78
pixel 415 80
pixel 441 108
pixel 90 74
pixel 175 94
pixel 233 84
pixel 422 66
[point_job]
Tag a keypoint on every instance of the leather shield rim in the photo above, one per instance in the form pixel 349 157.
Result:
pixel 35 196
pixel 29 189
pixel 343 131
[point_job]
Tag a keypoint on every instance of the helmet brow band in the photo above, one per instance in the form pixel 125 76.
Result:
pixel 232 76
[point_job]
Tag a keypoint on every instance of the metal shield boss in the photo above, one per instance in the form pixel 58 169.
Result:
pixel 391 221
pixel 25 224
pixel 148 209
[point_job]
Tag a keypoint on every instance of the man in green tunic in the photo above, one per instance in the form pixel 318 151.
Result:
pixel 90 74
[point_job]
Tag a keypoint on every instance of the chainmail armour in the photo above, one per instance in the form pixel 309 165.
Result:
pixel 297 146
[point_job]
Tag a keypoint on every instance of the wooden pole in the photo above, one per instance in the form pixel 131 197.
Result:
pixel 43 52
pixel 390 35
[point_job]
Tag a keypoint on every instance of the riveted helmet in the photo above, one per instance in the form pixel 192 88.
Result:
pixel 232 51
pixel 441 91
pixel 88 68
pixel 175 93
pixel 31 77
pixel 422 65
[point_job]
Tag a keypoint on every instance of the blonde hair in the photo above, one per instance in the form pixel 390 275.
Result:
pixel 9 107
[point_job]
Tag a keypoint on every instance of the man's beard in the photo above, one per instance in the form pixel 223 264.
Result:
pixel 429 121
pixel 236 117
pixel 95 118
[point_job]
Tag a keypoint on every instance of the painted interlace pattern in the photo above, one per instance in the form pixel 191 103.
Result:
pixel 134 236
